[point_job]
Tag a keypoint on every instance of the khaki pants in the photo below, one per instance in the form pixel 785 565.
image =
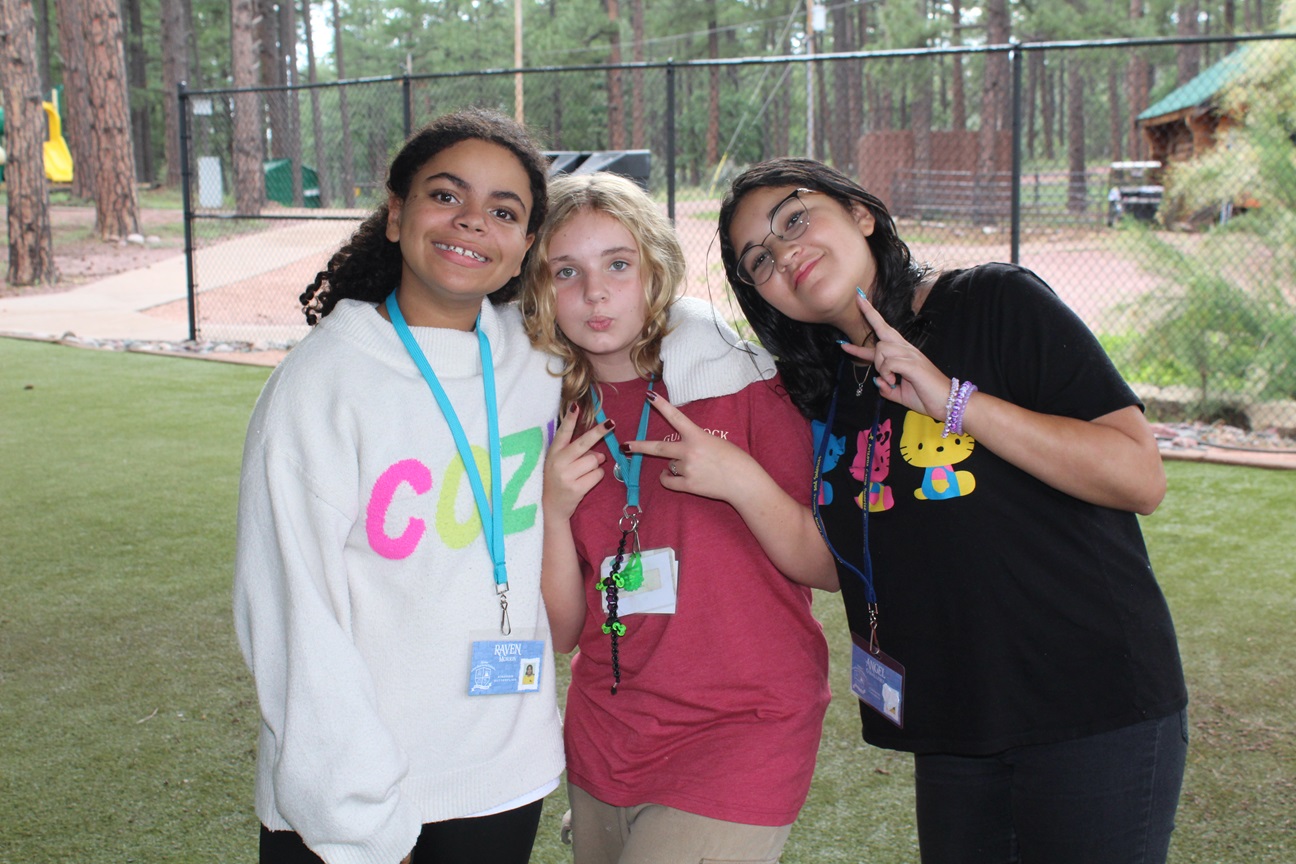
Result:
pixel 654 834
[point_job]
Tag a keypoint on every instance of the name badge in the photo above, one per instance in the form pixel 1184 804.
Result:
pixel 877 680
pixel 651 578
pixel 501 666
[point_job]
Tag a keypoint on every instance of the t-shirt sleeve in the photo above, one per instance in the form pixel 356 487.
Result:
pixel 1047 359
pixel 779 438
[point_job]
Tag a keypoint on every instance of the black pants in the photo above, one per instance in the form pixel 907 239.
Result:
pixel 502 838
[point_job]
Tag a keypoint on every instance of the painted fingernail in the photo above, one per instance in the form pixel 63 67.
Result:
pixel 652 397
pixel 609 424
pixel 842 342
pixel 860 292
pixel 572 409
pixel 625 448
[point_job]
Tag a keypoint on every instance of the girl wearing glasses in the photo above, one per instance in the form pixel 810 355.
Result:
pixel 678 549
pixel 979 465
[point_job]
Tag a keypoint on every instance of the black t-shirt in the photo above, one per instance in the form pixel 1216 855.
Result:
pixel 1021 614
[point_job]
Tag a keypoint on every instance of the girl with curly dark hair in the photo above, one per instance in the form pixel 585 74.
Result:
pixel 387 587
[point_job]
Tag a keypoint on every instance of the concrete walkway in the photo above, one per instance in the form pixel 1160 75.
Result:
pixel 110 308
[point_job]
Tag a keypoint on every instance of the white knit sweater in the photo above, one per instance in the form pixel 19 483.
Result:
pixel 362 579
pixel 702 357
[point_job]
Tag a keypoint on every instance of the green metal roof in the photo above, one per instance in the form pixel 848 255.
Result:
pixel 1201 89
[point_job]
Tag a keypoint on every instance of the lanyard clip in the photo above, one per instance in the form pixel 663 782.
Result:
pixel 506 626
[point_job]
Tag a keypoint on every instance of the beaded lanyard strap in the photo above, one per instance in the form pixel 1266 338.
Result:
pixel 632 575
pixel 616 580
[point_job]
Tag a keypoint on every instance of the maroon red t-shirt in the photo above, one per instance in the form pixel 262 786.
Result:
pixel 721 704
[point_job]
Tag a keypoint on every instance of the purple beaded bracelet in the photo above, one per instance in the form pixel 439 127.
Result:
pixel 956 405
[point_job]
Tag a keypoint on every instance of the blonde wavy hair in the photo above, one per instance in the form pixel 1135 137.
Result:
pixel 662 264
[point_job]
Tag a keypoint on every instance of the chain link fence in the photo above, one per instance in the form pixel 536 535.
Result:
pixel 1161 213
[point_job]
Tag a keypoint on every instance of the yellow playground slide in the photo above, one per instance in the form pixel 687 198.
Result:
pixel 58 159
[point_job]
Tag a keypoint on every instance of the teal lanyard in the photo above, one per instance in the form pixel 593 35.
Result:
pixel 629 468
pixel 488 509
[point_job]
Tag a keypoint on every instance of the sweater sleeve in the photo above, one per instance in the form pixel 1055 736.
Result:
pixel 337 768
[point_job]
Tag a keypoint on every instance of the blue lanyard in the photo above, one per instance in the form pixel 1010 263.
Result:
pixel 489 510
pixel 629 469
pixel 865 575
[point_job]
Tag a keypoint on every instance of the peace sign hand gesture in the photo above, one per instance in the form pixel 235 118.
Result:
pixel 903 373
pixel 572 466
pixel 706 465
pixel 700 463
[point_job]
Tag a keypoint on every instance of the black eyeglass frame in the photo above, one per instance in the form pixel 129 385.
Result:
pixel 743 272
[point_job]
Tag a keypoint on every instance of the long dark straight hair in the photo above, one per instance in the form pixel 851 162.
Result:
pixel 807 354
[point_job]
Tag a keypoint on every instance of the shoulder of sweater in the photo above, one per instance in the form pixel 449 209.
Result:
pixel 703 357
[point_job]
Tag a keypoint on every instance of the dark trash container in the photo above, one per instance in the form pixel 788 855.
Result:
pixel 633 164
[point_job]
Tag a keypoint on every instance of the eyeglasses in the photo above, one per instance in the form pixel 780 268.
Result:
pixel 788 221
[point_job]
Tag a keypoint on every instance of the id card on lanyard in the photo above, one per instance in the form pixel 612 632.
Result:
pixel 876 679
pixel 498 665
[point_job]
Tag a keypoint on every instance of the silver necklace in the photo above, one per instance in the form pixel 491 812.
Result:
pixel 859 385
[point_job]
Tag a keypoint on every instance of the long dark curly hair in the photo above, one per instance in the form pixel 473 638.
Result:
pixel 807 354
pixel 368 266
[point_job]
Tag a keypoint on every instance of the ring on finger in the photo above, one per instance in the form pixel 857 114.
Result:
pixel 673 469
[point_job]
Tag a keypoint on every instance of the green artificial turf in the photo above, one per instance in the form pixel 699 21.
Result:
pixel 129 723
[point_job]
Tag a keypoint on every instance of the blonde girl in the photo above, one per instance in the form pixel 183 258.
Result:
pixel 679 549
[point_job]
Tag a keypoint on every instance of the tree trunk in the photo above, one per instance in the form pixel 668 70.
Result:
pixel 1188 55
pixel 921 124
pixel 1136 85
pixel 76 99
pixel 116 204
pixel 43 46
pixel 855 88
pixel 136 66
pixel 1076 192
pixel 31 244
pixel 249 175
pixel 994 94
pixel 317 121
pixel 838 116
pixel 616 98
pixel 637 78
pixel 348 154
pixel 1060 97
pixel 272 76
pixel 713 91
pixel 174 63
pixel 821 101
pixel 958 110
pixel 1117 113
pixel 1048 108
pixel 287 63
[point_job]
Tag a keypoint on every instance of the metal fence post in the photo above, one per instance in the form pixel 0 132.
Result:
pixel 670 139
pixel 407 97
pixel 186 198
pixel 1015 57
